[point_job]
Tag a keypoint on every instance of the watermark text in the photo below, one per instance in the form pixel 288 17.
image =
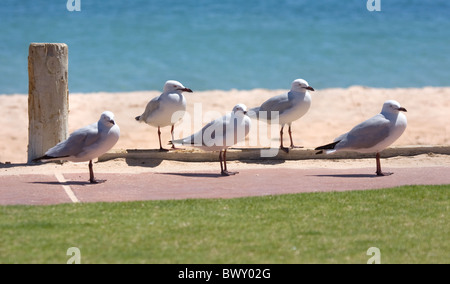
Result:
pixel 263 133
pixel 73 5
pixel 374 5
pixel 76 255
pixel 376 255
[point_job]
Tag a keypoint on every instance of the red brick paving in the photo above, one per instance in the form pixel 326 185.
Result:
pixel 45 189
pixel 31 190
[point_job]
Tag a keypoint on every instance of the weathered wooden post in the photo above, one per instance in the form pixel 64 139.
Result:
pixel 48 97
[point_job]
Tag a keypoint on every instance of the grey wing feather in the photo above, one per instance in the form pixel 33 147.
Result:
pixel 341 137
pixel 218 123
pixel 368 133
pixel 279 103
pixel 226 131
pixel 197 137
pixel 254 112
pixel 78 140
pixel 151 107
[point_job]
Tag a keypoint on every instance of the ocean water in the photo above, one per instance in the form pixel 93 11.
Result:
pixel 133 45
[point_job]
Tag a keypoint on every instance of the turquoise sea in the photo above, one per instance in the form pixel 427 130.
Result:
pixel 231 44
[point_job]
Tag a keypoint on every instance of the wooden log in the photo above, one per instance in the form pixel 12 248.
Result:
pixel 254 154
pixel 48 97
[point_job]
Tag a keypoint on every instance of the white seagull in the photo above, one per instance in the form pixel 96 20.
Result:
pixel 87 143
pixel 166 109
pixel 372 135
pixel 220 134
pixel 286 108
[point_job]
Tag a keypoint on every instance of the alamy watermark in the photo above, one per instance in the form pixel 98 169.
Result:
pixel 376 255
pixel 73 5
pixel 75 254
pixel 261 134
pixel 374 5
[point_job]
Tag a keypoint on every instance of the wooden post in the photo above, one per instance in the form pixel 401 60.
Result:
pixel 48 97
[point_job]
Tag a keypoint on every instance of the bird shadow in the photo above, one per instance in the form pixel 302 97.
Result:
pixel 264 162
pixel 194 175
pixel 348 175
pixel 153 163
pixel 10 165
pixel 68 183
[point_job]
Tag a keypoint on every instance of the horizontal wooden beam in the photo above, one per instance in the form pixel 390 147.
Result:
pixel 233 154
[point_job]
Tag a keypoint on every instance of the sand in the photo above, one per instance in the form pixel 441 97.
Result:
pixel 333 112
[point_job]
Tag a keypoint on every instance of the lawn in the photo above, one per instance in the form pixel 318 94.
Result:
pixel 408 224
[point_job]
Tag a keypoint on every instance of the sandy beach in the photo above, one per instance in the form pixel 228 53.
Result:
pixel 333 112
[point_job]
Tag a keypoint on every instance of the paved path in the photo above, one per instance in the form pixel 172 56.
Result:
pixel 34 189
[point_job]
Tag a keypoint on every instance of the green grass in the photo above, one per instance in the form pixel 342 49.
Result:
pixel 408 224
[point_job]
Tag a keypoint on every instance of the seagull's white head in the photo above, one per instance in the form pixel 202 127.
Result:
pixel 240 110
pixel 173 86
pixel 392 106
pixel 107 119
pixel 301 86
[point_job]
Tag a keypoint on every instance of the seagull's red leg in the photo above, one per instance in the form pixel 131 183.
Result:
pixel 91 174
pixel 161 149
pixel 225 171
pixel 379 172
pixel 281 140
pixel 171 132
pixel 292 141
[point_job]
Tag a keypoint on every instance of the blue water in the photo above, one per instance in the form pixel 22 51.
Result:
pixel 243 44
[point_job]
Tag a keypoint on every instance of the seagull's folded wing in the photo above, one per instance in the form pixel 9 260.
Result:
pixel 77 141
pixel 278 104
pixel 368 133
pixel 150 108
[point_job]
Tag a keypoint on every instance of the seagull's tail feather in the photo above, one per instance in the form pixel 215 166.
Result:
pixel 187 141
pixel 138 118
pixel 39 159
pixel 47 157
pixel 253 112
pixel 329 148
pixel 173 142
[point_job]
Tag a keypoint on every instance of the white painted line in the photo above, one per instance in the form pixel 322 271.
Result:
pixel 67 188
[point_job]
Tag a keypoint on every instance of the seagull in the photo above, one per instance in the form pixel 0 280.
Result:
pixel 286 108
pixel 87 143
pixel 372 135
pixel 220 134
pixel 166 109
